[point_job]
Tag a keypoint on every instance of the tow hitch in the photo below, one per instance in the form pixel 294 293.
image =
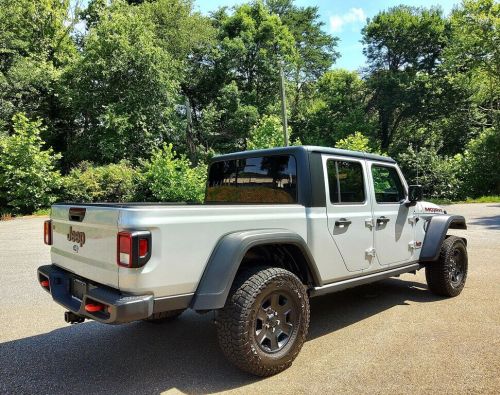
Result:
pixel 72 318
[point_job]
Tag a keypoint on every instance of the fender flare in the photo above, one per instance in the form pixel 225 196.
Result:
pixel 436 233
pixel 226 258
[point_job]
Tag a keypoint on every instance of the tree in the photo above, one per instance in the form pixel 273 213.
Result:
pixel 123 92
pixel 336 110
pixel 403 46
pixel 315 48
pixel 28 178
pixel 235 80
pixel 268 133
pixel 35 45
pixel 474 54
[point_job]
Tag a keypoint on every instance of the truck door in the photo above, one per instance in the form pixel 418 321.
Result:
pixel 394 225
pixel 349 210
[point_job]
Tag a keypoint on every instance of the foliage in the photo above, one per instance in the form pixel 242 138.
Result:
pixel 119 79
pixel 481 165
pixel 474 54
pixel 268 133
pixel 242 69
pixel 110 183
pixel 315 49
pixel 439 176
pixel 123 89
pixel 169 177
pixel 403 47
pixel 28 176
pixel 355 142
pixel 35 45
pixel 337 110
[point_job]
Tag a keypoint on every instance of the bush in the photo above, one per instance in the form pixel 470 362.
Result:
pixel 481 165
pixel 438 175
pixel 169 177
pixel 28 179
pixel 268 133
pixel 110 183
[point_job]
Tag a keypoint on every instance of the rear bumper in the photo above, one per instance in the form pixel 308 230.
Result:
pixel 121 307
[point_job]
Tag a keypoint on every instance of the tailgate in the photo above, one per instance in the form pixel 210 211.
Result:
pixel 84 241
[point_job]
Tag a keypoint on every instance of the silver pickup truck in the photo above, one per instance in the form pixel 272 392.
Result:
pixel 277 227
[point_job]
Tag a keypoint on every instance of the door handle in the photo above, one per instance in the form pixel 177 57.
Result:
pixel 382 220
pixel 343 222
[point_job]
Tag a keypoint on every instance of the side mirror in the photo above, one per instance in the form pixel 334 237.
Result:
pixel 414 193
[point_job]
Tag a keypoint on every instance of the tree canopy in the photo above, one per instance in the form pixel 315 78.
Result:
pixel 115 82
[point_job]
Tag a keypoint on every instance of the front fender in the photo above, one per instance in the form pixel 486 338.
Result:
pixel 226 258
pixel 436 233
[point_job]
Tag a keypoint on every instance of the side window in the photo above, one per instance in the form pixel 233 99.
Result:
pixel 345 181
pixel 387 184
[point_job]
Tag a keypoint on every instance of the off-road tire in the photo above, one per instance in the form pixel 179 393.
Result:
pixel 164 316
pixel 239 320
pixel 442 276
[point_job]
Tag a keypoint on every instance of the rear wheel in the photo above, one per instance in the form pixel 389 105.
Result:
pixel 446 276
pixel 264 323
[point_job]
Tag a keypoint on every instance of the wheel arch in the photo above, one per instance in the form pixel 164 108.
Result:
pixel 238 249
pixel 436 233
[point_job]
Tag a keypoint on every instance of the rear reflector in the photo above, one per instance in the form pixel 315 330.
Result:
pixel 133 248
pixel 143 248
pixel 47 232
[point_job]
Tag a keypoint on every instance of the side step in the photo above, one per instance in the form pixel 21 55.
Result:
pixel 370 278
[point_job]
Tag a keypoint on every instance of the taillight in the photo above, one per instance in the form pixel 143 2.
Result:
pixel 47 232
pixel 133 248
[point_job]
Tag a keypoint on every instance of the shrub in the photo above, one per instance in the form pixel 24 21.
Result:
pixel 28 179
pixel 355 142
pixel 481 165
pixel 110 183
pixel 438 175
pixel 169 177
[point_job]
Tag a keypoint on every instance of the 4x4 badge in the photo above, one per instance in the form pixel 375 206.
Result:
pixel 76 237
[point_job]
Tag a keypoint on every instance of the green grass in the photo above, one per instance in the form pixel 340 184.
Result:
pixel 7 216
pixel 482 199
pixel 42 211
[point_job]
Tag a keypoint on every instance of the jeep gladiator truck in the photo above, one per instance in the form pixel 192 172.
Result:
pixel 277 227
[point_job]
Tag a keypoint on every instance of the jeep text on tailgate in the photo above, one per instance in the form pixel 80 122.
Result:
pixel 278 227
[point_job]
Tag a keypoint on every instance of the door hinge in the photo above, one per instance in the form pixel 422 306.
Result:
pixel 414 245
pixel 413 219
pixel 370 252
pixel 369 222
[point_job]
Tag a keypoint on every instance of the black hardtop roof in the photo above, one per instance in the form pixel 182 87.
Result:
pixel 303 149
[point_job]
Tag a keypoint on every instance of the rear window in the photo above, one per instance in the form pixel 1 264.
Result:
pixel 263 179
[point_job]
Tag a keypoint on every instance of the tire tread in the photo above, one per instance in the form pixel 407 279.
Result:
pixel 232 320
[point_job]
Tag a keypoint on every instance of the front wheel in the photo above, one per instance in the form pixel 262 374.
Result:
pixel 446 276
pixel 264 323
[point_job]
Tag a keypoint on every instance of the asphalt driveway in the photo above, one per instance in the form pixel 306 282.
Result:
pixel 390 337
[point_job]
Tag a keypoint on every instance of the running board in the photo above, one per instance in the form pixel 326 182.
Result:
pixel 370 278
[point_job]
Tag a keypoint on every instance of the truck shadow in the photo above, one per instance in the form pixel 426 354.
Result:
pixel 487 222
pixel 183 355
